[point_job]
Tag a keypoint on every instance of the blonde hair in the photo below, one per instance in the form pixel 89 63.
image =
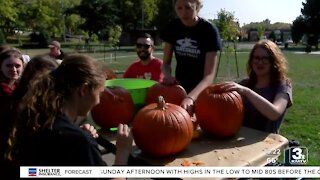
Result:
pixel 197 2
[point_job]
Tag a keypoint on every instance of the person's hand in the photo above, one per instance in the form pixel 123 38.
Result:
pixel 90 129
pixel 232 86
pixel 169 80
pixel 124 137
pixel 188 104
pixel 123 144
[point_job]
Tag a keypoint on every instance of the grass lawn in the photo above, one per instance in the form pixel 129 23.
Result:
pixel 302 121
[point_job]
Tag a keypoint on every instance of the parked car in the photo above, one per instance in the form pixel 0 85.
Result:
pixel 278 43
pixel 289 41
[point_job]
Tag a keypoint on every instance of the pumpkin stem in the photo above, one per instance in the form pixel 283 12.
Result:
pixel 161 103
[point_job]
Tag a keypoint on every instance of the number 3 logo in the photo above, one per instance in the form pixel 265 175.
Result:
pixel 297 153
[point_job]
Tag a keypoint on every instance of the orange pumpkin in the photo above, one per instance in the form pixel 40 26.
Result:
pixel 172 93
pixel 219 113
pixel 116 106
pixel 109 74
pixel 162 129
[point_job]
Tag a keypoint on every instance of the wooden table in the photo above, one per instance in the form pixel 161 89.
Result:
pixel 248 148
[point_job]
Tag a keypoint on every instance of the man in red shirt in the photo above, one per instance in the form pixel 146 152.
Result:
pixel 147 66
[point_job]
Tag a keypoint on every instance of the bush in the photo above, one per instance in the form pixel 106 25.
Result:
pixel 41 39
pixel 2 37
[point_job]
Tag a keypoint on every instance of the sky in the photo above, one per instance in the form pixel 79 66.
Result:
pixel 247 11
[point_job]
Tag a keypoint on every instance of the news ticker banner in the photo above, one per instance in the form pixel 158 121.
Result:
pixel 169 172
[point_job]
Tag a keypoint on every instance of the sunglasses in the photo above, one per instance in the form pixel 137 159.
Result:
pixel 144 46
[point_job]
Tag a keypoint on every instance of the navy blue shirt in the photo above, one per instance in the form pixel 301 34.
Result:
pixel 190 45
pixel 65 144
pixel 254 119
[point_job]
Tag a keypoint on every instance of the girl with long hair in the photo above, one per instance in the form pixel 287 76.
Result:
pixel 267 92
pixel 45 131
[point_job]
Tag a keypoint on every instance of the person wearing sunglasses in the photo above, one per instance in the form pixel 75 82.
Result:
pixel 147 66
pixel 267 92
pixel 195 43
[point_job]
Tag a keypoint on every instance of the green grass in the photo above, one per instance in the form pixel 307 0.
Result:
pixel 302 119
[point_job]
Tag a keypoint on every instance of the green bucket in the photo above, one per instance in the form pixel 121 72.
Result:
pixel 136 87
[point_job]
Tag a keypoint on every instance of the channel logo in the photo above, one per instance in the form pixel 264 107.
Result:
pixel 297 155
pixel 32 172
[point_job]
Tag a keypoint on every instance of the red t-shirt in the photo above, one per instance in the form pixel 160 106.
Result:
pixel 150 71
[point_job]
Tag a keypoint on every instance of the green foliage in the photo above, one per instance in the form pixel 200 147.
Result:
pixel 43 39
pixel 2 37
pixel 165 14
pixel 227 25
pixel 8 16
pixel 8 12
pixel 114 35
pixel 260 30
pixel 98 15
pixel 271 27
pixel 272 36
pixel 310 12
pixel 94 38
pixel 133 12
pixel 40 39
pixel 129 14
pixel 71 21
pixel 150 10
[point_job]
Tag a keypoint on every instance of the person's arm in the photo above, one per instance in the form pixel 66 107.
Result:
pixel 210 69
pixel 166 66
pixel 270 110
pixel 123 145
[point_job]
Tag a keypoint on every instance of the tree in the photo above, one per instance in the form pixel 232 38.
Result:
pixel 128 15
pixel 166 13
pixel 150 11
pixel 272 36
pixel 41 16
pixel 260 30
pixel 114 35
pixel 311 14
pixel 8 15
pixel 227 25
pixel 114 38
pixel 298 29
pixel 99 15
pixel 137 14
pixel 229 31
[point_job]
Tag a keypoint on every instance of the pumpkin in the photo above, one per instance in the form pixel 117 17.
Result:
pixel 219 113
pixel 172 93
pixel 116 106
pixel 162 129
pixel 109 74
